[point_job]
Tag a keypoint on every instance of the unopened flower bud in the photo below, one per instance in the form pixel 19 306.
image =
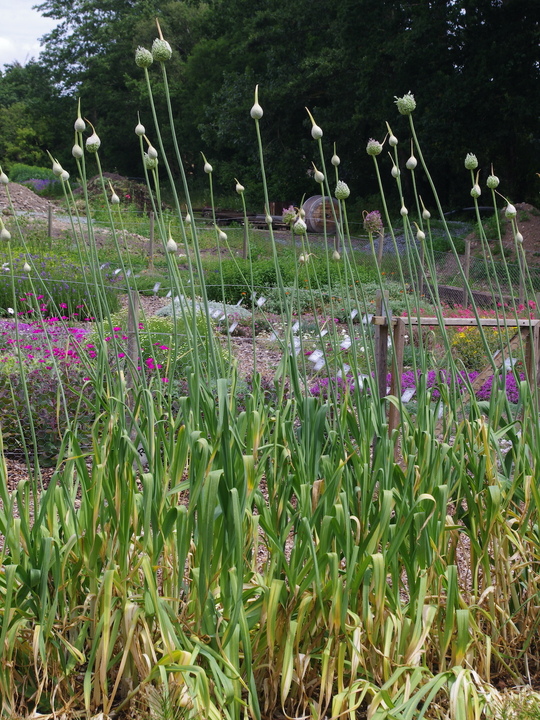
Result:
pixel 152 152
pixel 140 130
pixel 336 256
pixel 207 167
pixel 471 163
pixel 403 212
pixel 426 214
pixel 420 235
pixel 411 163
pixel 269 219
pixel 150 163
pixel 187 219
pixel 64 177
pixel 492 182
pixel 302 213
pixel 335 160
pixel 115 200
pixel 3 178
pixel 317 175
pixel 143 57
pixel 4 232
pixel 395 171
pixel 57 168
pixel 342 191
pixel 256 111
pixel 316 131
pixel 519 237
pixel 26 267
pixel 510 211
pixel 79 125
pixel 93 142
pixel 161 50
pixel 373 147
pixel 406 104
pixel 476 191
pixel 392 141
pixel 77 151
pixel 239 188
pixel 299 227
pixel 172 247
pixel 222 237
pixel 302 258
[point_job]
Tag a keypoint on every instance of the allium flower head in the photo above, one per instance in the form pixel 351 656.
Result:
pixel 373 147
pixel 299 227
pixel 406 104
pixel 161 50
pixel 492 182
pixel 143 57
pixel 150 163
pixel 342 191
pixel 471 162
pixel 510 211
pixel 93 142
pixel 373 222
pixel 289 215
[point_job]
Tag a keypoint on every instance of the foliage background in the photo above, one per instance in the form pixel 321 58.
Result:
pixel 476 63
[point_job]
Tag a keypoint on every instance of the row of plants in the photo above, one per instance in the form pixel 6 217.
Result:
pixel 243 548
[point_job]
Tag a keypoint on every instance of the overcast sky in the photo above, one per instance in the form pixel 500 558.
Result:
pixel 20 30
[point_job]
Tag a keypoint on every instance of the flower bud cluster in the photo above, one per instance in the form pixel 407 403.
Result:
pixel 342 191
pixel 406 104
pixel 373 222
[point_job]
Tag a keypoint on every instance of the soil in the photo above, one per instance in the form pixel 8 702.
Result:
pixel 528 222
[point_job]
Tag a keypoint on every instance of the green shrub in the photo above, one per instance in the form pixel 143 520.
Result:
pixel 468 346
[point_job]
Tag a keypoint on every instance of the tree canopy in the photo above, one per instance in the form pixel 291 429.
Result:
pixel 472 66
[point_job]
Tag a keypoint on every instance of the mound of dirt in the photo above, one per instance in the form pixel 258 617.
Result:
pixel 23 199
pixel 528 223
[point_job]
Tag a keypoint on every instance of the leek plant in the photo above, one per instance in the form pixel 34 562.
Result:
pixel 271 557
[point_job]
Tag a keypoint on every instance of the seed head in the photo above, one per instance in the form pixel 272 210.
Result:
pixel 143 57
pixel 406 104
pixel 471 162
pixel 373 147
pixel 373 222
pixel 161 50
pixel 289 215
pixel 342 191
pixel 256 111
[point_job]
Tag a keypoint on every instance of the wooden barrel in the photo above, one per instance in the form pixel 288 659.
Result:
pixel 313 208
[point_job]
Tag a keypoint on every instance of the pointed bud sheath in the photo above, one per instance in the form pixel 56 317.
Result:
pixel 222 237
pixel 93 142
pixel 299 227
pixel 426 214
pixel 510 211
pixel 172 247
pixel 420 235
pixel 316 131
pixel 336 256
pixel 335 160
pixel 302 213
pixel 519 237
pixel 471 162
pixel 187 219
pixel 4 232
pixel 115 200
pixel 256 111
pixel 207 167
pixel 3 178
pixel 64 177
pixel 492 182
pixel 79 124
pixel 26 267
pixel 140 130
pixel 342 191
pixel 411 163
pixel 143 57
pixel 406 104
pixel 57 168
pixel 395 171
pixel 317 175
pixel 239 188
pixel 161 50
pixel 403 212
pixel 392 141
pixel 77 151
pixel 152 152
